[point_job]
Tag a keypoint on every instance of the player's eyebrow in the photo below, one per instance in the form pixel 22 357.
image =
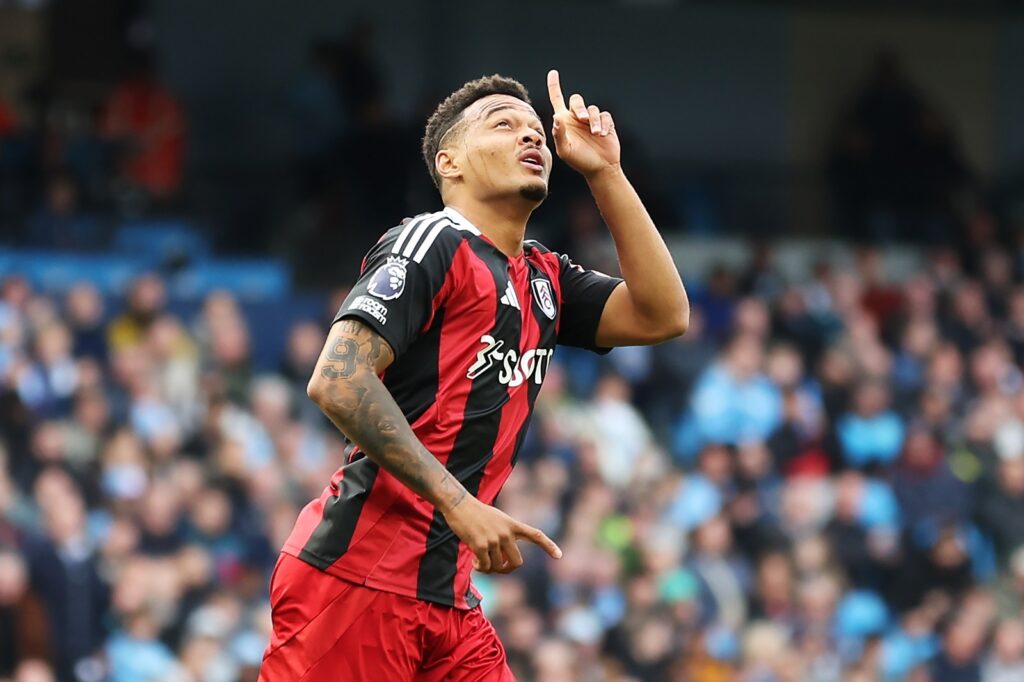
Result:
pixel 486 111
pixel 501 106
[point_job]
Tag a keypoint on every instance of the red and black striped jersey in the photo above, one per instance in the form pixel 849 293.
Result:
pixel 473 332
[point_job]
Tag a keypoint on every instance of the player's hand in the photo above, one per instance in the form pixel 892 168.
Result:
pixel 491 535
pixel 585 136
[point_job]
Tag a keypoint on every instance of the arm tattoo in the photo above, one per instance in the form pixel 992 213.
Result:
pixel 343 351
pixel 357 402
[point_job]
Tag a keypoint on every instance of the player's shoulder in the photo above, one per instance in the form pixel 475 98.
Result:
pixel 424 237
pixel 539 253
pixel 534 246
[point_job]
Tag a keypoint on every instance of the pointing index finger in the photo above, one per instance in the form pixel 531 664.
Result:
pixel 555 92
pixel 537 537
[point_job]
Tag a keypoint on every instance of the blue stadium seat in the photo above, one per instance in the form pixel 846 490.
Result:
pixel 54 271
pixel 249 280
pixel 162 239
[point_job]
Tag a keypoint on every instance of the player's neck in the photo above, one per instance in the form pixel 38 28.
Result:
pixel 504 223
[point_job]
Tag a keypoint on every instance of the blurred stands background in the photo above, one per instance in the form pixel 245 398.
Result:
pixel 823 480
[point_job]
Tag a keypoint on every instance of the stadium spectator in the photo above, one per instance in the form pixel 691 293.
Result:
pixel 621 438
pixel 895 166
pixel 927 489
pixel 60 223
pixel 316 118
pixel 734 400
pixel 24 627
pixel 724 574
pixel 959 659
pixel 1001 504
pixel 148 123
pixel 146 298
pixel 83 310
pixel 8 119
pixel 870 434
pixel 65 570
pixel 1006 661
pixel 47 385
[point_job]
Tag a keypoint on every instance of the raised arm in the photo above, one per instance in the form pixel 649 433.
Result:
pixel 347 388
pixel 651 305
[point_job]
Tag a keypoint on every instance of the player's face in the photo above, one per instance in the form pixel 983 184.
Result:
pixel 502 149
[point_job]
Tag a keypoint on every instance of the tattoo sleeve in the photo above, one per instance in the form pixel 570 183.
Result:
pixel 347 388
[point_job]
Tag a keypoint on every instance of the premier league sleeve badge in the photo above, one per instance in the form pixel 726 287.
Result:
pixel 388 282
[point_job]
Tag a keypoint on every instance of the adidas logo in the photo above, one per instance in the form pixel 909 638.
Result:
pixel 510 297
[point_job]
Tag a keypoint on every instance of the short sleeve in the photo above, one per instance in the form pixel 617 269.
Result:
pixel 398 289
pixel 584 293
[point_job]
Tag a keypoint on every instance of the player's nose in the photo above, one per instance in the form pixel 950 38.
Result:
pixel 532 137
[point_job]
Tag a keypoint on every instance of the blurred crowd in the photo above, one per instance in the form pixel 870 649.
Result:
pixel 70 169
pixel 822 480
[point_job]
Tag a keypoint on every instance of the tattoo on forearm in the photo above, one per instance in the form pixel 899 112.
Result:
pixel 363 409
pixel 344 353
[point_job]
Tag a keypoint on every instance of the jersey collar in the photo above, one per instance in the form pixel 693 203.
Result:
pixel 461 221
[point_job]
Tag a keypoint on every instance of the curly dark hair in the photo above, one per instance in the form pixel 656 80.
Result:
pixel 449 112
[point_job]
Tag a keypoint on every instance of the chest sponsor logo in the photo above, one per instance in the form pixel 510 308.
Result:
pixel 513 369
pixel 388 282
pixel 546 300
pixel 375 308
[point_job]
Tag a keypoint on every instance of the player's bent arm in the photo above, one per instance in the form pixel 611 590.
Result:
pixel 622 325
pixel 651 306
pixel 347 388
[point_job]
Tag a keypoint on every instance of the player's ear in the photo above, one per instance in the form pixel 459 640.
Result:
pixel 447 165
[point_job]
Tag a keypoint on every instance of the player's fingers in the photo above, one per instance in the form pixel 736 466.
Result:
pixel 537 537
pixel 495 558
pixel 513 557
pixel 555 92
pixel 607 124
pixel 595 119
pixel 558 131
pixel 578 107
pixel 482 561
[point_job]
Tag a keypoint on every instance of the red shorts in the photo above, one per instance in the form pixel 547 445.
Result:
pixel 329 629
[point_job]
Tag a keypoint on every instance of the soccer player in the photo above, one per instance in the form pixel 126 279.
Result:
pixel 431 369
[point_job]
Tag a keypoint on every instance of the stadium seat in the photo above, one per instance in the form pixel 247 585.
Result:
pixel 162 239
pixel 250 279
pixel 53 271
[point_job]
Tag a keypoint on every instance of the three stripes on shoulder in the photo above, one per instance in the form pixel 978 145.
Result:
pixel 419 235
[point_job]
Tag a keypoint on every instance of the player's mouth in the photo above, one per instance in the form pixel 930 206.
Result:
pixel 532 159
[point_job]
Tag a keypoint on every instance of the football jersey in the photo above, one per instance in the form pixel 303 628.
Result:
pixel 473 333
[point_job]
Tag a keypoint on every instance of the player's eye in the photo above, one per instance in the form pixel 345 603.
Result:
pixel 504 122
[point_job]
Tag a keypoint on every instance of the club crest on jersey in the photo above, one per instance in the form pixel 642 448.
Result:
pixel 542 290
pixel 388 282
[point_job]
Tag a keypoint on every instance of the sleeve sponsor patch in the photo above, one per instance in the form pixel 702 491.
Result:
pixel 375 309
